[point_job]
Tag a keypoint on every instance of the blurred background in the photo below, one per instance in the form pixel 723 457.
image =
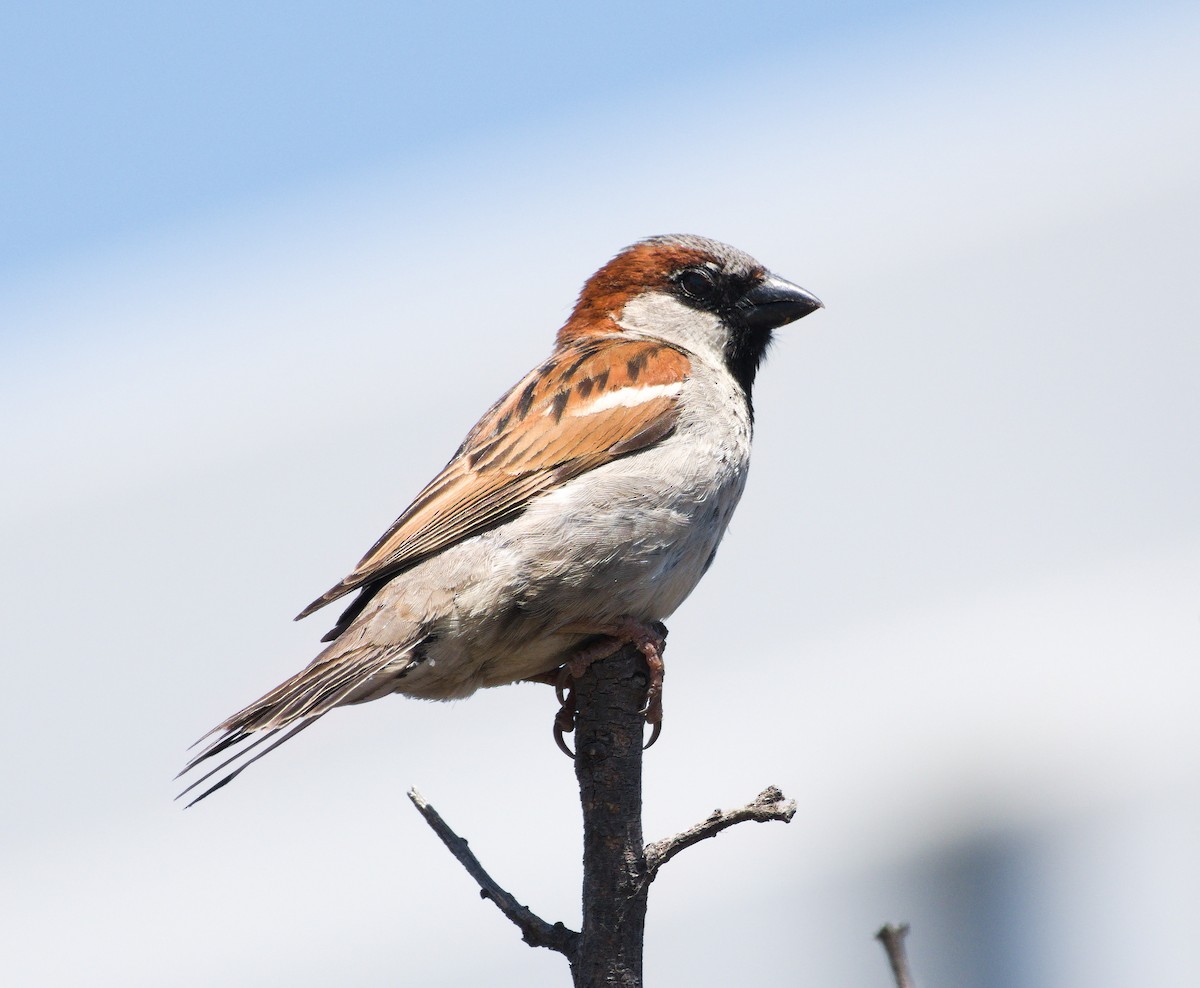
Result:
pixel 261 267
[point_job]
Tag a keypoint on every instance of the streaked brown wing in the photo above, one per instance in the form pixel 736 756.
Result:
pixel 595 400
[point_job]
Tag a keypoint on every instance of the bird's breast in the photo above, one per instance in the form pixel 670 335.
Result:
pixel 634 536
pixel 630 538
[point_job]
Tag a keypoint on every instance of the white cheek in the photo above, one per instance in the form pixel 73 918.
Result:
pixel 663 317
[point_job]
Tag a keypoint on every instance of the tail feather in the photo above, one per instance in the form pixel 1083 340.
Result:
pixel 297 702
pixel 224 744
pixel 215 748
pixel 317 691
pixel 225 780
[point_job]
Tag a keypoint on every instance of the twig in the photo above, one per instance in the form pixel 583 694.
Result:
pixel 770 804
pixel 535 931
pixel 618 866
pixel 892 938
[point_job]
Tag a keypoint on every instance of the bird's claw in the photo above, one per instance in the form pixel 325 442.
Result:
pixel 564 720
pixel 653 711
pixel 625 632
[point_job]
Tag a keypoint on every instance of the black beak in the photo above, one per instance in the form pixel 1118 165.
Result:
pixel 774 302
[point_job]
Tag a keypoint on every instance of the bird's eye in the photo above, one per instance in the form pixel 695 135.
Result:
pixel 698 283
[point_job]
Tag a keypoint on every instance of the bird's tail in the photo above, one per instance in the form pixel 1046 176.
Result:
pixel 330 681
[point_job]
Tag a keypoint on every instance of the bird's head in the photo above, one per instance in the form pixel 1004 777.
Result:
pixel 711 299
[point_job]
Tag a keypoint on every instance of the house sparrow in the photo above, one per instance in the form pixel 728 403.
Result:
pixel 584 505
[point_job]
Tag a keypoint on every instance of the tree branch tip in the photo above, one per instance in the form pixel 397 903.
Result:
pixel 772 798
pixel 892 935
pixel 769 805
pixel 892 931
pixel 535 931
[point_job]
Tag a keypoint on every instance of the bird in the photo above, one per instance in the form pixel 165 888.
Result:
pixel 581 510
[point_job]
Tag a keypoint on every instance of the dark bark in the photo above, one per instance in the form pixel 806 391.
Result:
pixel 608 765
pixel 535 931
pixel 617 866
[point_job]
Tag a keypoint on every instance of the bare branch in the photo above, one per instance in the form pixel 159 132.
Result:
pixel 892 938
pixel 608 767
pixel 618 867
pixel 535 931
pixel 770 804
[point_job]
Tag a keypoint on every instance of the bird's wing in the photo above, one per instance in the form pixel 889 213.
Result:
pixel 593 401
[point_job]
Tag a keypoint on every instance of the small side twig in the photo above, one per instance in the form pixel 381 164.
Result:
pixel 535 931
pixel 769 805
pixel 892 938
pixel 618 866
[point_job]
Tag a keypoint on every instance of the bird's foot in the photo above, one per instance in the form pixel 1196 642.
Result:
pixel 615 636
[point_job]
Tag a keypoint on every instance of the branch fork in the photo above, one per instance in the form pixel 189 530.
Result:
pixel 617 867
pixel 769 805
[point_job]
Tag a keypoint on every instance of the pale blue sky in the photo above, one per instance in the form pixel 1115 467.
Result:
pixel 121 118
